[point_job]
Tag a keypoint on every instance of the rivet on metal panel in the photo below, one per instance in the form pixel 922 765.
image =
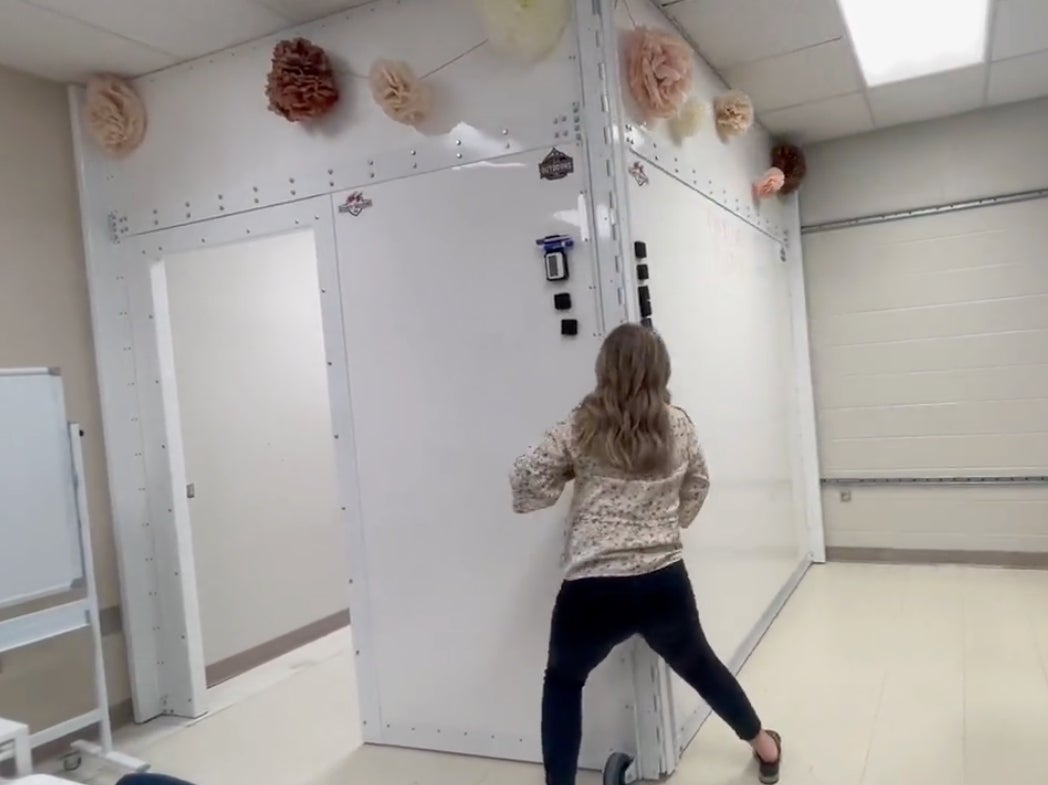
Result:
pixel 331 171
pixel 505 131
pixel 293 192
pixel 187 204
pixel 254 188
pixel 291 179
pixel 458 155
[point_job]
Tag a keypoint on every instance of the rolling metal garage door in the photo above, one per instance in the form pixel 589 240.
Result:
pixel 930 355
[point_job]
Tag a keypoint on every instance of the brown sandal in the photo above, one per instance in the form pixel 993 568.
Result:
pixel 769 772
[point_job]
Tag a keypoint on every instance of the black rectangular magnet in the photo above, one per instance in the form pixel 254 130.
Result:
pixel 569 326
pixel 642 272
pixel 562 301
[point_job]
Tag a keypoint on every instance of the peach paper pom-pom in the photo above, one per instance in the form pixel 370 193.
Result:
pixel 658 71
pixel 114 115
pixel 734 112
pixel 769 184
pixel 398 91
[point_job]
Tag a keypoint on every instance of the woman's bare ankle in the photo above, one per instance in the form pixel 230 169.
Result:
pixel 765 747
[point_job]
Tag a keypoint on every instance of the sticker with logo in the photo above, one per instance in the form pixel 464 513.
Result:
pixel 556 165
pixel 638 173
pixel 355 204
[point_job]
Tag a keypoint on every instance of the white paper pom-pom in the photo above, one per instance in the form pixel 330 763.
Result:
pixel 688 120
pixel 525 29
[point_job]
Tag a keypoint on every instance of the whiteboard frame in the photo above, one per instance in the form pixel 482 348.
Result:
pixel 163 438
pixel 50 623
pixel 74 525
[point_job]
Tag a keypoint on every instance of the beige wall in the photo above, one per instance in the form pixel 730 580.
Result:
pixel 929 335
pixel 45 321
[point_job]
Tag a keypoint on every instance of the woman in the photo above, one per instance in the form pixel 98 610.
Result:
pixel 640 477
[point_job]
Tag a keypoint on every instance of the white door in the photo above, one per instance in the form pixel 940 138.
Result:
pixel 457 364
pixel 271 552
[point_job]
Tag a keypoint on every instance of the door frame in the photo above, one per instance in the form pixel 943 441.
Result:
pixel 173 602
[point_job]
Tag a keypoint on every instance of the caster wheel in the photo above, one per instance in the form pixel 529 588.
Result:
pixel 616 767
pixel 72 762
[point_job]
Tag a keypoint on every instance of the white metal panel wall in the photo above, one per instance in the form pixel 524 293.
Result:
pixel 727 294
pixel 720 292
pixel 212 150
pixel 456 365
pixel 930 342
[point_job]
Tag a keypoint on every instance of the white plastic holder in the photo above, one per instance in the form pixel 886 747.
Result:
pixel 32 628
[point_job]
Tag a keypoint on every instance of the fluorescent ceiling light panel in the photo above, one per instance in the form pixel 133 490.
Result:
pixel 904 39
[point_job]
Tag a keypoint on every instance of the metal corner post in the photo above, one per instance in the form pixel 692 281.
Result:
pixel 603 135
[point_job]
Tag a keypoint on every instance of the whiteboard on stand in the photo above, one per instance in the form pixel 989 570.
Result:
pixel 39 534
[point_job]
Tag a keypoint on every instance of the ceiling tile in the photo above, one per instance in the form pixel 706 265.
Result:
pixel 197 28
pixel 1020 28
pixel 53 46
pixel 1019 79
pixel 810 74
pixel 729 32
pixel 930 96
pixel 308 10
pixel 841 116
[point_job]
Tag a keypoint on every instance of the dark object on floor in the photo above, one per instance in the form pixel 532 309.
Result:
pixel 151 779
pixel 616 767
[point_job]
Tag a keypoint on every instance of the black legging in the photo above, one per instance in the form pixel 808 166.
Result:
pixel 150 779
pixel 594 615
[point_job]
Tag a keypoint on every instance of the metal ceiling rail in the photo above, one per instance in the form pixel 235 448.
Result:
pixel 921 212
pixel 849 482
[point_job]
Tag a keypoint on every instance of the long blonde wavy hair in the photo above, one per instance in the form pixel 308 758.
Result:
pixel 625 422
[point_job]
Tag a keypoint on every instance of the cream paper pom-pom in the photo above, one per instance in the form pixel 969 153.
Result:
pixel 734 112
pixel 114 115
pixel 525 29
pixel 398 91
pixel 688 120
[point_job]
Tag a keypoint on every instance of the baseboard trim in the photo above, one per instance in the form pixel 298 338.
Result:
pixel 1012 559
pixel 241 663
pixel 690 727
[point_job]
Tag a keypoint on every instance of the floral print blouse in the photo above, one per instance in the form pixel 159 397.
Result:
pixel 619 524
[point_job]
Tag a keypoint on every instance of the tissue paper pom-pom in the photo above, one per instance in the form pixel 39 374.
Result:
pixel 525 29
pixel 398 91
pixel 688 120
pixel 770 183
pixel 734 112
pixel 301 83
pixel 114 115
pixel 658 71
pixel 790 159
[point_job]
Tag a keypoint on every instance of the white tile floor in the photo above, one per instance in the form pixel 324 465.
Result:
pixel 876 675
